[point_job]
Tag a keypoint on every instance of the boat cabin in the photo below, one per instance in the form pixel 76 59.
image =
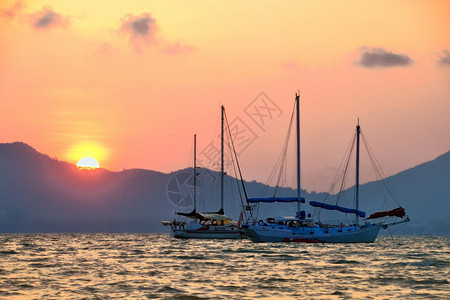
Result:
pixel 289 221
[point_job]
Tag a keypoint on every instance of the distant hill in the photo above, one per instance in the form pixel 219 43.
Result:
pixel 425 192
pixel 42 194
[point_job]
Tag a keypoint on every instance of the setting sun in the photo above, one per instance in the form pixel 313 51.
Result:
pixel 87 150
pixel 88 163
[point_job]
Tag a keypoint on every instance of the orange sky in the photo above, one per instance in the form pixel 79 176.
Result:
pixel 130 82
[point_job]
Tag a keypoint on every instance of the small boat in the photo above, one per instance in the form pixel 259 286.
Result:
pixel 205 225
pixel 305 229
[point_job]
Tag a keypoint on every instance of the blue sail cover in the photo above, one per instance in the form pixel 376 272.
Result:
pixel 275 199
pixel 360 213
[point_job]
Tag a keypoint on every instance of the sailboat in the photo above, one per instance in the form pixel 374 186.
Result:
pixel 303 228
pixel 206 225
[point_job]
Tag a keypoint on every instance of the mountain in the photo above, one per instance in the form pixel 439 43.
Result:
pixel 42 194
pixel 425 193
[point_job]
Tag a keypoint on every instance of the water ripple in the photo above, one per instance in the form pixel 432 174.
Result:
pixel 137 266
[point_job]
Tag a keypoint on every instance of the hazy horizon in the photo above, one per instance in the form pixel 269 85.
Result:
pixel 271 184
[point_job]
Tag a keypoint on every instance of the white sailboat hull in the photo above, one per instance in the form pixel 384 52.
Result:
pixel 216 232
pixel 348 234
pixel 305 229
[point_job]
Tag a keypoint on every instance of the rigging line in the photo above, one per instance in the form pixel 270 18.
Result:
pixel 376 170
pixel 345 170
pixel 382 187
pixel 235 155
pixel 376 167
pixel 235 172
pixel 398 227
pixel 280 174
pixel 272 175
pixel 390 234
pixel 339 174
pixel 278 164
pixel 283 164
pixel 383 177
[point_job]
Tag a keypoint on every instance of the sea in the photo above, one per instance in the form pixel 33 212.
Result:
pixel 157 266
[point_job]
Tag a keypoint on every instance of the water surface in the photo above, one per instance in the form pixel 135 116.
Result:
pixel 147 266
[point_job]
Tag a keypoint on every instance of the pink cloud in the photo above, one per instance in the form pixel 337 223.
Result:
pixel 382 58
pixel 13 10
pixel 48 18
pixel 178 48
pixel 444 59
pixel 141 29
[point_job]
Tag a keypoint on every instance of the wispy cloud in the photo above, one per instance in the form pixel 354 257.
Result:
pixel 48 18
pixel 381 58
pixel 141 29
pixel 14 10
pixel 444 59
pixel 106 49
pixel 178 48
pixel 290 65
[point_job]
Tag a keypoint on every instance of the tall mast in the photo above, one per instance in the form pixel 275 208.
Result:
pixel 195 172
pixel 297 103
pixel 358 131
pixel 221 162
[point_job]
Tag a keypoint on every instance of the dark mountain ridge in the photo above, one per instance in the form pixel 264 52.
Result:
pixel 42 194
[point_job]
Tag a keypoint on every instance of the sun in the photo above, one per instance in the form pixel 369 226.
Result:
pixel 87 155
pixel 87 163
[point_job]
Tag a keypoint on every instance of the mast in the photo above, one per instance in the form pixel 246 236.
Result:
pixel 297 104
pixel 195 172
pixel 358 132
pixel 237 163
pixel 221 162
